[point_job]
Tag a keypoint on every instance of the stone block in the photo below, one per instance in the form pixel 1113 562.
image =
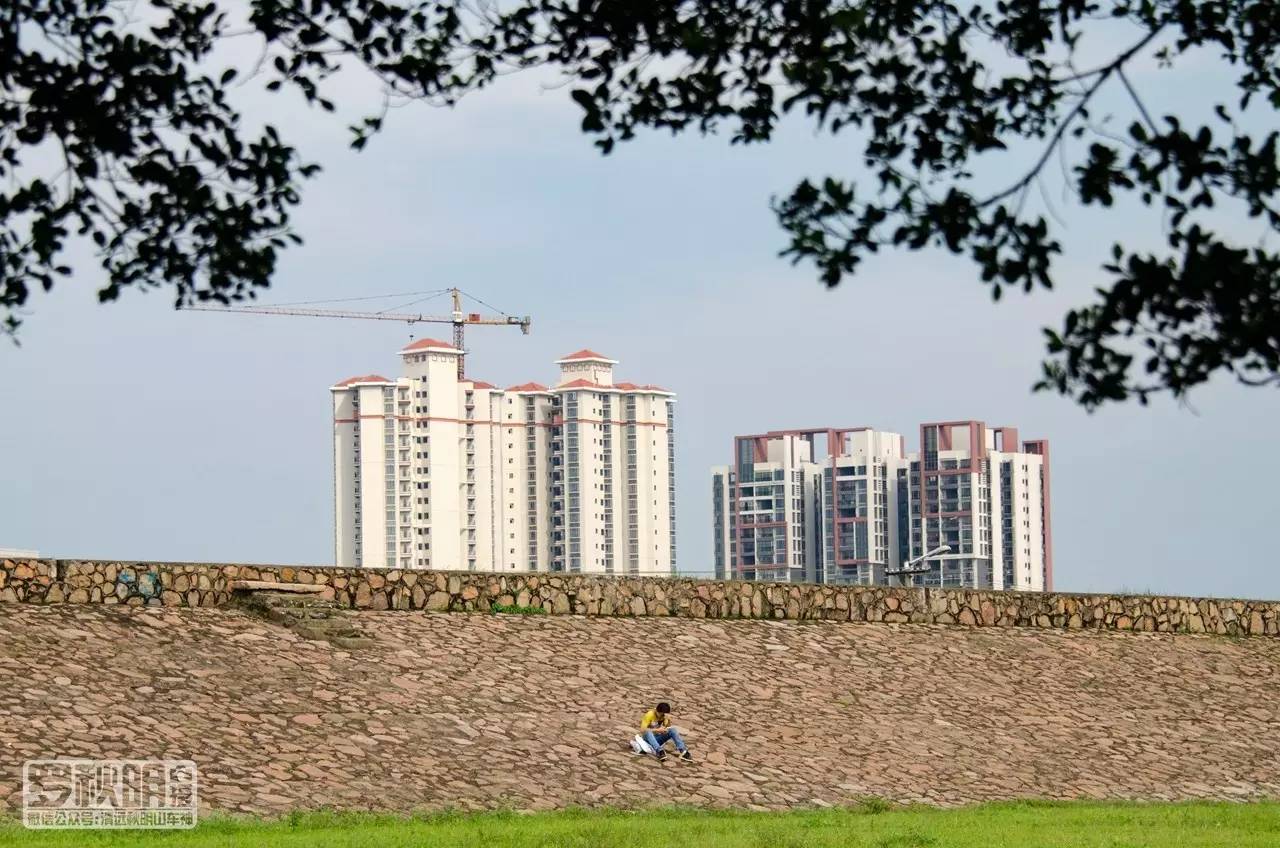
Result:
pixel 353 643
pixel 363 596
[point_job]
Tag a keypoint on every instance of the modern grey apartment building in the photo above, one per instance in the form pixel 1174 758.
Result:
pixel 850 505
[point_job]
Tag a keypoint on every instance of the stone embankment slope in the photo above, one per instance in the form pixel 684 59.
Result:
pixel 478 711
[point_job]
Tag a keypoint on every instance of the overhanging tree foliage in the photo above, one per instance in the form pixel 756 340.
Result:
pixel 150 161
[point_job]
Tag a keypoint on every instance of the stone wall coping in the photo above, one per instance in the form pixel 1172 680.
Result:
pixel 256 585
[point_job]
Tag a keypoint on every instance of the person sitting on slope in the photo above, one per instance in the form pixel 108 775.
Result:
pixel 656 730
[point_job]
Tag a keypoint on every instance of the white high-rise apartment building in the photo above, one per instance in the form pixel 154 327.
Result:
pixel 431 471
pixel 845 506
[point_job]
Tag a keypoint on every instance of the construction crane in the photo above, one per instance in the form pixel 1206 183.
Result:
pixel 457 318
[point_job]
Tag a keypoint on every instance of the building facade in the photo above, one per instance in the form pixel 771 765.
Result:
pixel 852 506
pixel 431 471
pixel 808 505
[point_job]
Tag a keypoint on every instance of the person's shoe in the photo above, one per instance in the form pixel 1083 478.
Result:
pixel 661 755
pixel 686 756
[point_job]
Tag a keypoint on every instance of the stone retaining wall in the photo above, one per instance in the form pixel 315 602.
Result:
pixel 205 584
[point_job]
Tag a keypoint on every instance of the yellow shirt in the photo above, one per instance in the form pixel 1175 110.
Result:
pixel 652 722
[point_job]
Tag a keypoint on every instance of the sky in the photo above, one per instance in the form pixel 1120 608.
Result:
pixel 136 432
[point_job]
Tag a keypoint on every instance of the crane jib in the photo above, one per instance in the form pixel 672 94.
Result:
pixel 459 320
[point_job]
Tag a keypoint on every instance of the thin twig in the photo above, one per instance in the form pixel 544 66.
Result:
pixel 1136 99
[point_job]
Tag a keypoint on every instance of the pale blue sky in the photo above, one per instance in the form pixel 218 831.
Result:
pixel 135 432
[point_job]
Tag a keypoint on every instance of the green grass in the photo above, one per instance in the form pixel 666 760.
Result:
pixel 874 825
pixel 516 609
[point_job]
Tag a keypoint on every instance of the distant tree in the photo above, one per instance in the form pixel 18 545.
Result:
pixel 149 159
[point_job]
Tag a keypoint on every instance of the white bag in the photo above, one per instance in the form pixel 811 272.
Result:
pixel 640 746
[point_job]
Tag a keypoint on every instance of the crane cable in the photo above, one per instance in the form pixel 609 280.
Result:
pixel 353 299
pixel 412 302
pixel 482 303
